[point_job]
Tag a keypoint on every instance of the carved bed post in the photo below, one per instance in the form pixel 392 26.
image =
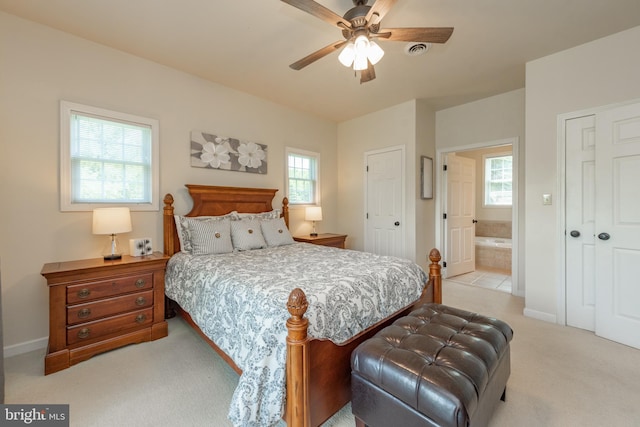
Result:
pixel 435 275
pixel 285 210
pixel 168 225
pixel 297 414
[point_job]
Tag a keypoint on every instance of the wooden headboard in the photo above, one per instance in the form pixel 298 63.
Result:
pixel 213 200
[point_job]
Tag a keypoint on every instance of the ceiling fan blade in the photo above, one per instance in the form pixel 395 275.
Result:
pixel 428 35
pixel 298 65
pixel 319 11
pixel 378 10
pixel 368 74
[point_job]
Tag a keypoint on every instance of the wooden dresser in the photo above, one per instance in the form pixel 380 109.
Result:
pixel 97 305
pixel 324 239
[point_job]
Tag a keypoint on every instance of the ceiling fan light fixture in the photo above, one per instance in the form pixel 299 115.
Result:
pixel 360 63
pixel 348 55
pixel 375 53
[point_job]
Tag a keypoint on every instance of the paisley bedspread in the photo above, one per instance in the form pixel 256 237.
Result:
pixel 239 301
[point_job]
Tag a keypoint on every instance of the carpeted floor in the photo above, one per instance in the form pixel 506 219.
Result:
pixel 560 377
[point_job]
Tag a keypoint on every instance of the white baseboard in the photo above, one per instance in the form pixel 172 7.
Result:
pixel 540 315
pixel 25 347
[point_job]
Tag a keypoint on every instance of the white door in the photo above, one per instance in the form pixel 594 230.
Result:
pixel 460 253
pixel 580 183
pixel 618 225
pixel 385 203
pixel 603 206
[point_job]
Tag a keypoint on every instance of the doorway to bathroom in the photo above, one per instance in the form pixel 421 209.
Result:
pixel 486 247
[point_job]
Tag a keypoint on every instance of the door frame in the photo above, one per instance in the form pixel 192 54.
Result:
pixel 517 287
pixel 561 218
pixel 403 184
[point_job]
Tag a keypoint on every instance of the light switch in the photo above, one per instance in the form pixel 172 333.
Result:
pixel 546 199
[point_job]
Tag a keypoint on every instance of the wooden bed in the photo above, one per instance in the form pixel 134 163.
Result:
pixel 318 372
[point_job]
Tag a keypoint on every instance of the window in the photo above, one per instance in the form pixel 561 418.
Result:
pixel 107 158
pixel 497 180
pixel 303 177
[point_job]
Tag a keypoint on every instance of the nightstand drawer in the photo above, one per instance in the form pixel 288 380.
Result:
pixel 87 312
pixel 115 286
pixel 99 328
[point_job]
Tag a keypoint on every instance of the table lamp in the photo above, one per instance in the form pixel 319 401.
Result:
pixel 313 214
pixel 111 221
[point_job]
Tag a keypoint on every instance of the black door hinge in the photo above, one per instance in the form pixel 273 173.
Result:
pixel 444 216
pixel 444 168
pixel 444 264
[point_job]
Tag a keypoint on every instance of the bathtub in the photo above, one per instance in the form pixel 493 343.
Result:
pixel 493 242
pixel 493 252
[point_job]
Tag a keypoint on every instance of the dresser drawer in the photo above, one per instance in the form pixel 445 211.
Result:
pixel 106 288
pixel 87 312
pixel 96 329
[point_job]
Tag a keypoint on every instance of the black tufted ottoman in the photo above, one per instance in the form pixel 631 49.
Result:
pixel 437 366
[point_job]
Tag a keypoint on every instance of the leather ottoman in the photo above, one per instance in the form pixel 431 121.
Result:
pixel 437 366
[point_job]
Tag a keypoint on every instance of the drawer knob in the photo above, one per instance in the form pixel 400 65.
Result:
pixel 141 301
pixel 84 333
pixel 140 283
pixel 83 293
pixel 84 313
pixel 141 318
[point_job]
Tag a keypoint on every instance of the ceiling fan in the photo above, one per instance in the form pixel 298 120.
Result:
pixel 360 27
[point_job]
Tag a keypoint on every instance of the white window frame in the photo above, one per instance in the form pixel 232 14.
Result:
pixel 484 180
pixel 305 153
pixel 66 111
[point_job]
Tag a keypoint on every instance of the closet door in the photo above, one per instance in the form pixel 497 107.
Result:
pixel 618 225
pixel 580 222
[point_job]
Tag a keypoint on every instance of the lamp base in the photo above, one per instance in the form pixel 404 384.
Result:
pixel 112 257
pixel 313 234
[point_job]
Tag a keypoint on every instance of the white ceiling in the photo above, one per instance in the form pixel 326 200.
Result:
pixel 248 44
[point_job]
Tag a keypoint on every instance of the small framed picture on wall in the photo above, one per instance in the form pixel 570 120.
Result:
pixel 426 174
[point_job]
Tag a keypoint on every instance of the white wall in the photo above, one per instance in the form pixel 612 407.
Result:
pixel 491 119
pixel 39 67
pixel 605 71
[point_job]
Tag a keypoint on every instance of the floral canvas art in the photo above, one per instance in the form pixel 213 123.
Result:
pixel 221 152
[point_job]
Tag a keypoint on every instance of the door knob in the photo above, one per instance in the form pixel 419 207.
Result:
pixel 575 233
pixel 475 221
pixel 397 223
pixel 604 236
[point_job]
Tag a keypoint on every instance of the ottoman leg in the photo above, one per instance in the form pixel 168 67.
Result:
pixel 504 395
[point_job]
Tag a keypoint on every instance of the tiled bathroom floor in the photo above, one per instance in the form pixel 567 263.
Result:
pixel 499 280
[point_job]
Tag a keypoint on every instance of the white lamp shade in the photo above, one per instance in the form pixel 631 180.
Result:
pixel 111 220
pixel 347 55
pixel 313 213
pixel 375 52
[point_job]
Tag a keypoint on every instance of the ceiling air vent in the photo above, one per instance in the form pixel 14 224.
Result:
pixel 414 49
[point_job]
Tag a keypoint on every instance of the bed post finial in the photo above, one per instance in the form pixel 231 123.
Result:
pixel 435 275
pixel 297 360
pixel 168 225
pixel 285 210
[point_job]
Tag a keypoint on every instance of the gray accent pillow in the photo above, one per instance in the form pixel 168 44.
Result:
pixel 246 234
pixel 182 227
pixel 275 232
pixel 210 237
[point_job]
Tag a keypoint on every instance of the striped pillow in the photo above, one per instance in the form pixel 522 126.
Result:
pixel 182 227
pixel 210 237
pixel 275 232
pixel 246 234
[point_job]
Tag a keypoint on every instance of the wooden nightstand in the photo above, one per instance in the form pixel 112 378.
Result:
pixel 97 305
pixel 324 239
